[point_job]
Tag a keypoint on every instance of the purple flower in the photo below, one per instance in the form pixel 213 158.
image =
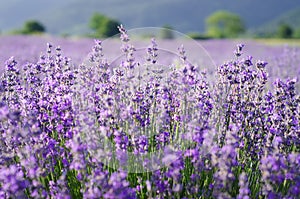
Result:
pixel 244 192
pixel 119 187
pixel 261 64
pixel 12 181
pixel 238 51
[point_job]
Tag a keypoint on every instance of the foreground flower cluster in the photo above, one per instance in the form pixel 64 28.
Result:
pixel 101 130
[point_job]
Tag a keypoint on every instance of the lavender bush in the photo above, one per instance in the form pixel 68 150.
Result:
pixel 137 128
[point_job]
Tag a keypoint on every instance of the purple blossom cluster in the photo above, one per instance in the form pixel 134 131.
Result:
pixel 142 129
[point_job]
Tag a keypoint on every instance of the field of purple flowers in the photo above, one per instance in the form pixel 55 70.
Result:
pixel 139 127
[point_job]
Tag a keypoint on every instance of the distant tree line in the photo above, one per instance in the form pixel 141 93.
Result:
pixel 286 31
pixel 223 24
pixel 220 24
pixel 31 27
pixel 103 26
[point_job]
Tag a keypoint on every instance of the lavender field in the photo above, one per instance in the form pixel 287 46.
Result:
pixel 121 118
pixel 284 60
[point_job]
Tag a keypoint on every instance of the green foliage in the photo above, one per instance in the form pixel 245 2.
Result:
pixel 103 26
pixel 167 32
pixel 198 36
pixel 32 27
pixel 284 31
pixel 297 33
pixel 74 184
pixel 223 24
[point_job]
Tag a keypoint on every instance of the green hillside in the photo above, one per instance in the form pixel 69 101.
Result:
pixel 292 18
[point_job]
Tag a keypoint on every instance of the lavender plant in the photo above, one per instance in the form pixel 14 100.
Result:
pixel 143 129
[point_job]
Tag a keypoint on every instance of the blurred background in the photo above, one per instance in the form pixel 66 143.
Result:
pixel 200 19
